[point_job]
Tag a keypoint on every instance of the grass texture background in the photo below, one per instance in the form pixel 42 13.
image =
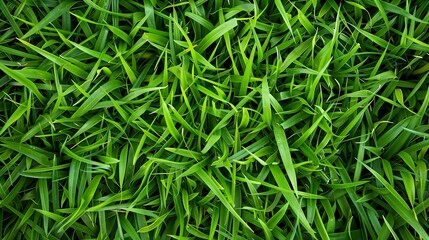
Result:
pixel 210 119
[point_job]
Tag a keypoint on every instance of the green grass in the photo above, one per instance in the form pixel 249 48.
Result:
pixel 209 119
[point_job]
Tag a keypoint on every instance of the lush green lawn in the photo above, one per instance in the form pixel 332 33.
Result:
pixel 211 119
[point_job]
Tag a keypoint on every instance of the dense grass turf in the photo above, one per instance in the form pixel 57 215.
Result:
pixel 210 119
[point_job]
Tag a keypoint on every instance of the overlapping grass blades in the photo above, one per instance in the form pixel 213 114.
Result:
pixel 214 119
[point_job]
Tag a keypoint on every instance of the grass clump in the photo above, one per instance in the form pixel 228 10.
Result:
pixel 214 119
